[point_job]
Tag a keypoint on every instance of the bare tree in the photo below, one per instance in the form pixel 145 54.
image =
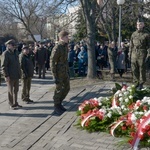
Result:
pixel 33 14
pixel 26 12
pixel 89 8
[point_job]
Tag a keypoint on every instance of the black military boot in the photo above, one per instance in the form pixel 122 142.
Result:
pixel 141 86
pixel 62 107
pixel 136 85
pixel 58 110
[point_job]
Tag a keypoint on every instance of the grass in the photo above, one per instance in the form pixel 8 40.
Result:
pixel 83 81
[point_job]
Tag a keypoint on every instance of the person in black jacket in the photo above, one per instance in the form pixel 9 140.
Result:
pixel 27 70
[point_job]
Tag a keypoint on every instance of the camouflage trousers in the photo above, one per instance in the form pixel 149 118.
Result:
pixel 26 86
pixel 61 91
pixel 138 67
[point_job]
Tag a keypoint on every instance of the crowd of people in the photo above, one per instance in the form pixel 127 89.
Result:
pixel 70 60
pixel 40 53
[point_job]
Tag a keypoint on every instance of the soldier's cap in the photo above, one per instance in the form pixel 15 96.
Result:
pixel 63 33
pixel 140 19
pixel 12 41
pixel 25 47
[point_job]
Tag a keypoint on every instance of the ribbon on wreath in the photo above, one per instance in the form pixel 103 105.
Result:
pixel 115 125
pixel 95 113
pixel 114 103
pixel 139 132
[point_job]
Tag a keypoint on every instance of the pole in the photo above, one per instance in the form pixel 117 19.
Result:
pixel 119 40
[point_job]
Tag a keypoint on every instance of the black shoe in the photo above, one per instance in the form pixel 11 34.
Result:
pixel 30 101
pixel 62 107
pixel 140 87
pixel 58 111
pixel 25 101
pixel 18 106
pixel 13 107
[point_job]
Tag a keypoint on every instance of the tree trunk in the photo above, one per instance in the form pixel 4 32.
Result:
pixel 91 50
pixel 89 8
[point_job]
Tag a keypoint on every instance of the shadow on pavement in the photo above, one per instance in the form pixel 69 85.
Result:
pixel 37 108
pixel 25 115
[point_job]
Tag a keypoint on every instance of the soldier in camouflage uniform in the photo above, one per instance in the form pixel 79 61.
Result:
pixel 138 53
pixel 60 71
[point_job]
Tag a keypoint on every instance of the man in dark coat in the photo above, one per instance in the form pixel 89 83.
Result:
pixel 41 58
pixel 27 70
pixel 12 73
pixel 60 71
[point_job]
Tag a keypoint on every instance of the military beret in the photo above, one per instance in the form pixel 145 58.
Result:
pixel 10 42
pixel 63 33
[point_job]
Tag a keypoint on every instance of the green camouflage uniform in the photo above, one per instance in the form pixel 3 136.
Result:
pixel 60 69
pixel 138 53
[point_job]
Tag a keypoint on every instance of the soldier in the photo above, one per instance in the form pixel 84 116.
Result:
pixel 138 53
pixel 27 70
pixel 60 71
pixel 12 73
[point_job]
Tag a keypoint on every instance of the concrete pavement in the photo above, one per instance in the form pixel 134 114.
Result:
pixel 35 127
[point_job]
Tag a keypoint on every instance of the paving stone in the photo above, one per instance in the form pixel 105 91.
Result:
pixel 34 127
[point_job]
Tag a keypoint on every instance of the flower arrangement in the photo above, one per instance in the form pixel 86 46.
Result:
pixel 126 113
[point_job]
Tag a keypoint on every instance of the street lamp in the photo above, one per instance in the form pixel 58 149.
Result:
pixel 120 3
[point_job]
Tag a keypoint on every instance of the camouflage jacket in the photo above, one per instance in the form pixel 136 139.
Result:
pixel 59 60
pixel 139 43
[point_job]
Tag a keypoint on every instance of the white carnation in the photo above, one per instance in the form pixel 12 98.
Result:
pixel 126 100
pixel 129 88
pixel 120 99
pixel 120 95
pixel 123 106
pixel 133 118
pixel 130 96
pixel 109 114
pixel 141 113
pixel 126 93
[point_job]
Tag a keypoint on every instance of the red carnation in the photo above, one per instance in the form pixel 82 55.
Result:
pixel 132 126
pixel 124 128
pixel 132 134
pixel 141 136
pixel 147 127
pixel 130 141
pixel 145 107
pixel 143 130
pixel 148 133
